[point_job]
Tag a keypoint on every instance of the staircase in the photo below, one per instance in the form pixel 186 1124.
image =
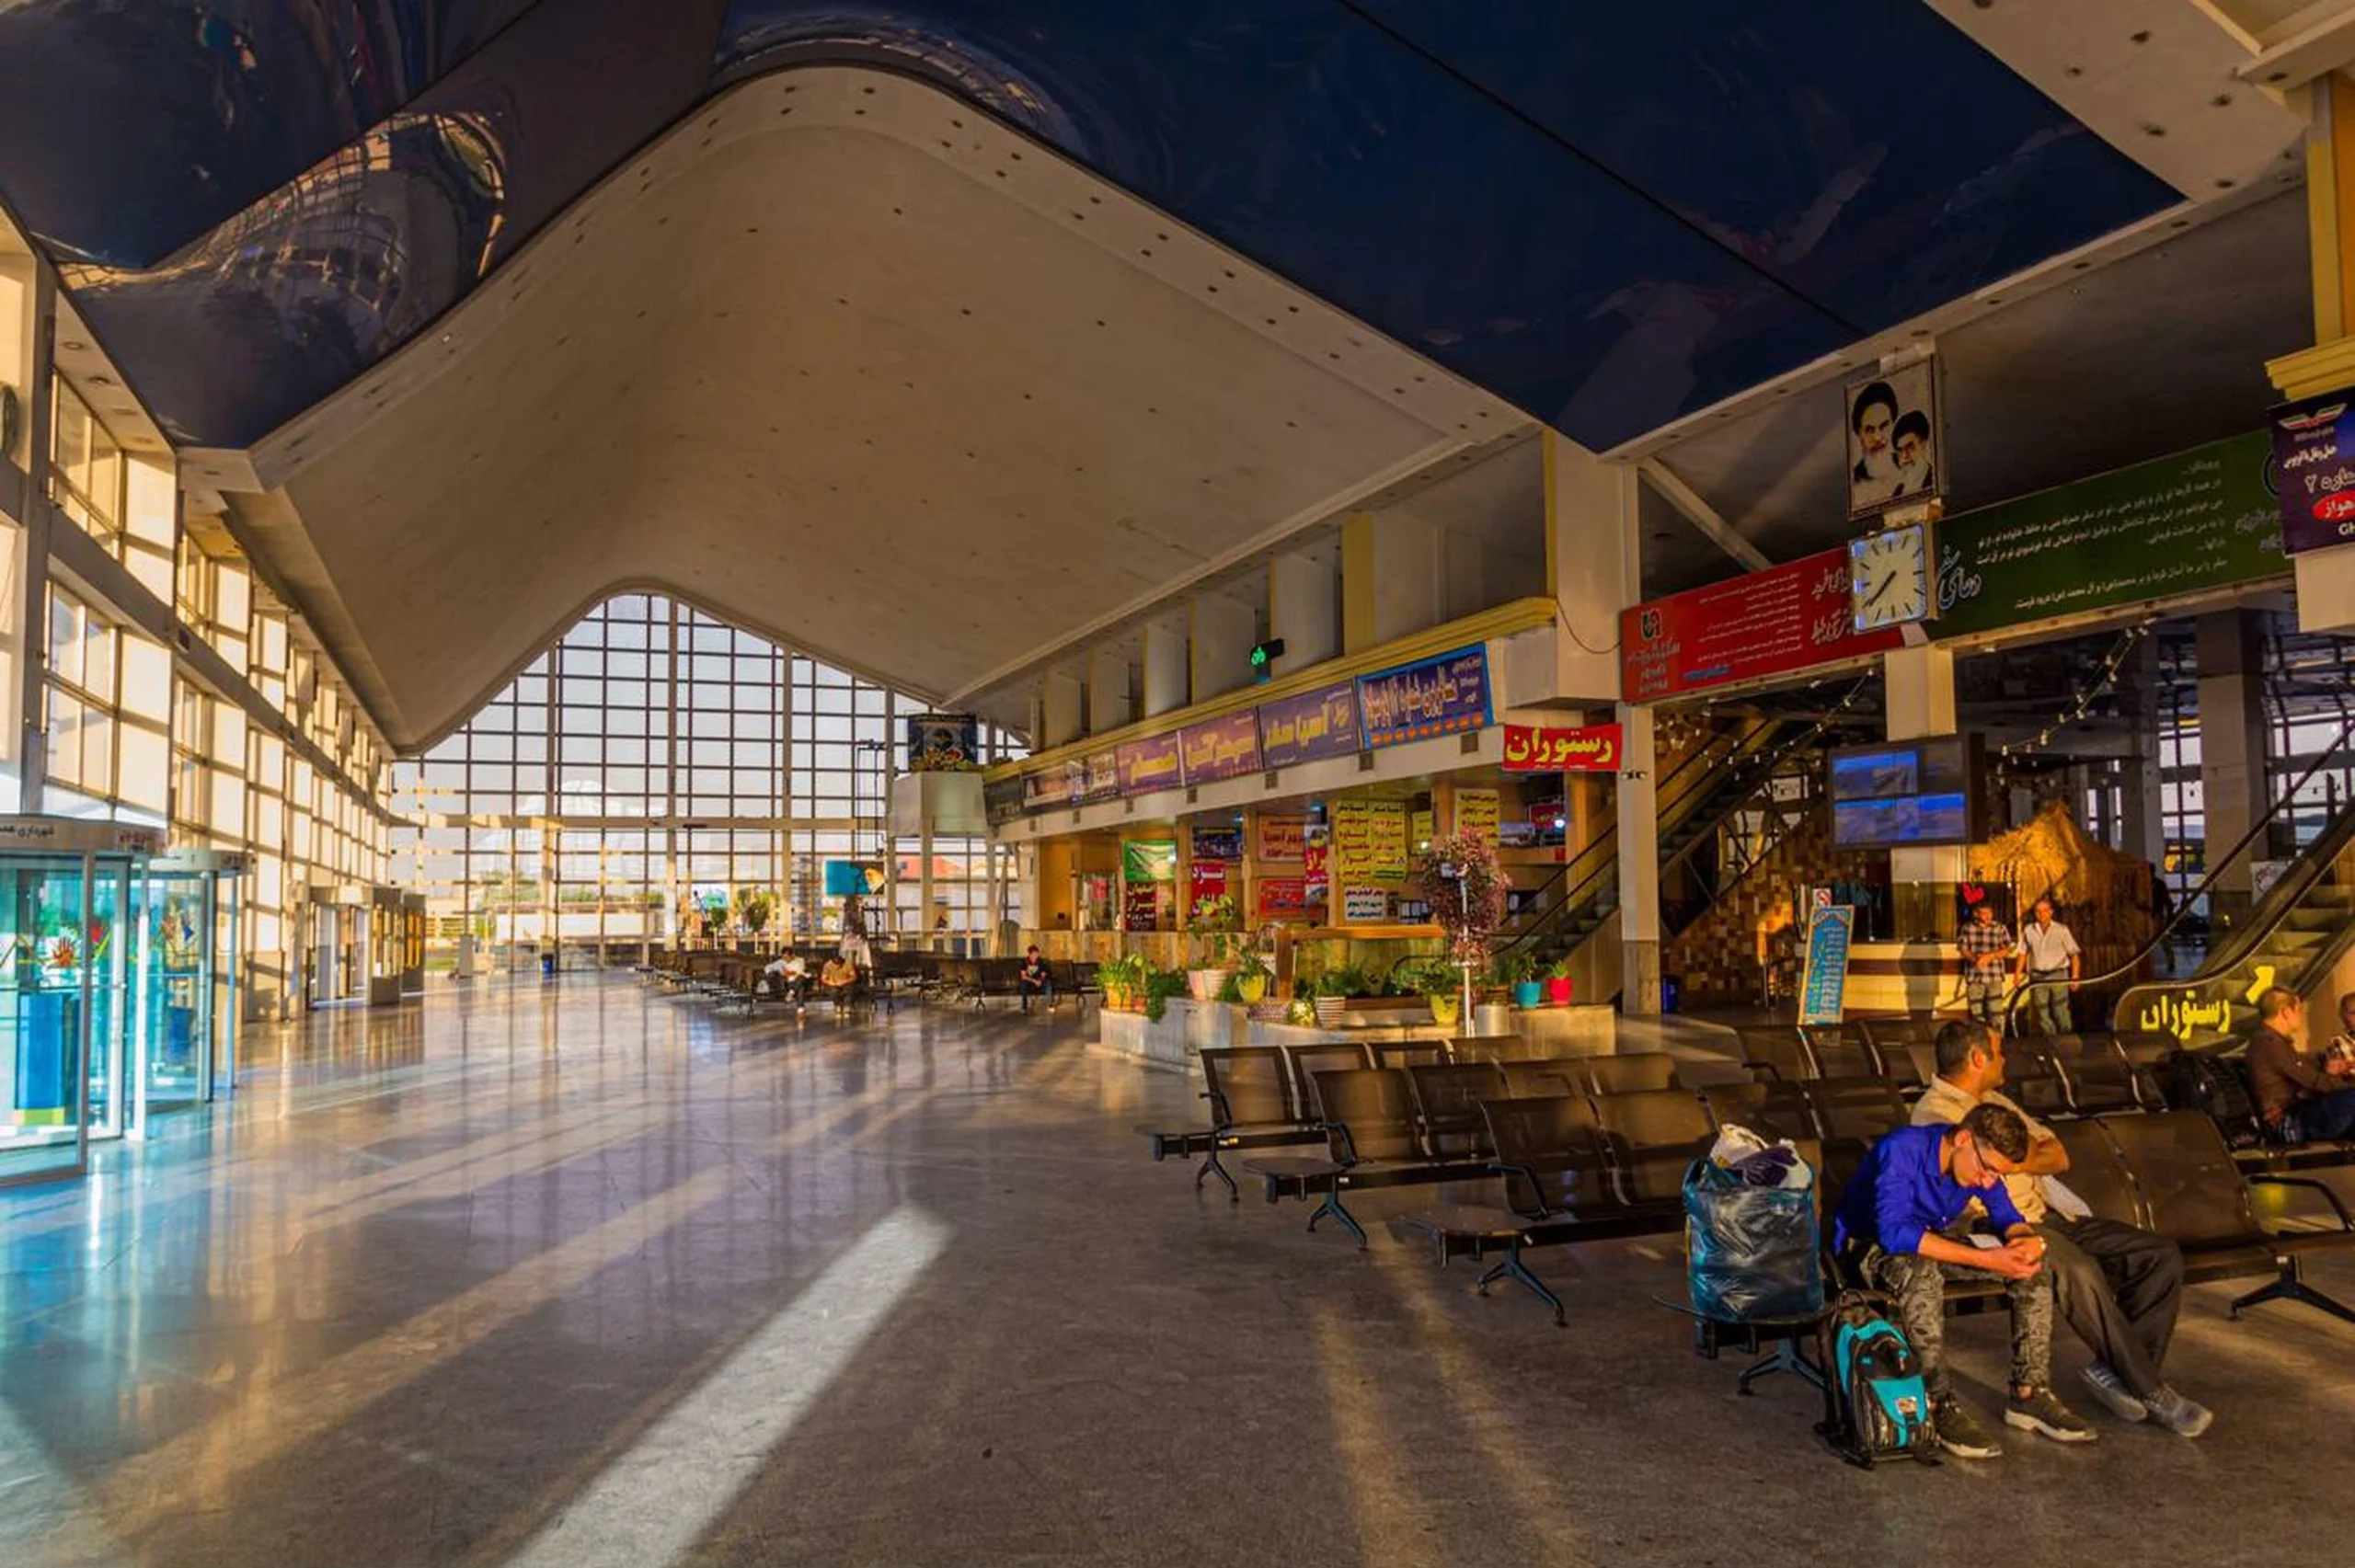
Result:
pixel 1575 914
pixel 2293 937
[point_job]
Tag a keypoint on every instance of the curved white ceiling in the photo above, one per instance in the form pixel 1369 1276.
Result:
pixel 846 362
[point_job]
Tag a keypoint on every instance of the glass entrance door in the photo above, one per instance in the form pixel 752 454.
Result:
pixel 175 1003
pixel 62 988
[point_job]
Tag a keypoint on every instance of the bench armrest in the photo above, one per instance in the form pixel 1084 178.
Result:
pixel 1536 1187
pixel 2337 1207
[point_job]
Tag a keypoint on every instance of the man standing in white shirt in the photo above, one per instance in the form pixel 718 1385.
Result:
pixel 2049 960
pixel 2118 1285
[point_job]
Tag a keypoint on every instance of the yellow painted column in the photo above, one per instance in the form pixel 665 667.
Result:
pixel 2325 578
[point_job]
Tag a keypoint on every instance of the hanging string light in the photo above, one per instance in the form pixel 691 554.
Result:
pixel 2078 705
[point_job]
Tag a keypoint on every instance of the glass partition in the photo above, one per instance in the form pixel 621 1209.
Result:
pixel 63 981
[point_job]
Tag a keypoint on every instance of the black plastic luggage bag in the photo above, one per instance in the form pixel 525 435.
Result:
pixel 1751 1251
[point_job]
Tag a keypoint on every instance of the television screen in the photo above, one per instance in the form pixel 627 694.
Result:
pixel 1905 792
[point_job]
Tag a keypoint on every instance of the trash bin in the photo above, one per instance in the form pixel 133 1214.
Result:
pixel 1671 992
pixel 547 964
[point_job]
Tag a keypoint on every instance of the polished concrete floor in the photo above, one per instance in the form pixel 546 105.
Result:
pixel 580 1274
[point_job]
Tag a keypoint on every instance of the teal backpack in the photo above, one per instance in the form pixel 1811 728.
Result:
pixel 1876 1405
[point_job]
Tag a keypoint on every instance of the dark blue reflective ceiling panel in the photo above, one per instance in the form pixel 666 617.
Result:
pixel 305 291
pixel 1401 195
pixel 1608 216
pixel 1142 92
pixel 1866 155
pixel 194 111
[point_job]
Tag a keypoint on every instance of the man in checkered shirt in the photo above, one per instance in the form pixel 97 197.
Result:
pixel 1986 943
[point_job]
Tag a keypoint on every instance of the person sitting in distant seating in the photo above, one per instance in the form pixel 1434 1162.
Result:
pixel 2302 1098
pixel 1035 979
pixel 787 976
pixel 839 980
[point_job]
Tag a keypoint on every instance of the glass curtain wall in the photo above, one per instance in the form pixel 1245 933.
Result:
pixel 659 771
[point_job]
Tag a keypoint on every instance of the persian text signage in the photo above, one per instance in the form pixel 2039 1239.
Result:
pixel 1283 895
pixel 1283 838
pixel 1769 622
pixel 1217 748
pixel 2313 452
pixel 1476 814
pixel 1218 843
pixel 1437 696
pixel 1310 727
pixel 1591 749
pixel 2193 522
pixel 1824 984
pixel 1369 841
pixel 1099 777
pixel 1149 765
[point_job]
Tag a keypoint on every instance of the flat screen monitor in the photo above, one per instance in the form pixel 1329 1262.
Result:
pixel 1904 792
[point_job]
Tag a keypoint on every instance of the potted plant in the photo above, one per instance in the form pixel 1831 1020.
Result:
pixel 1557 983
pixel 1519 971
pixel 1333 989
pixel 1213 924
pixel 1439 984
pixel 1112 980
pixel 1459 877
pixel 1251 979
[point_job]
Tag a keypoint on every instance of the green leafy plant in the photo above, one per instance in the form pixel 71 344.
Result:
pixel 1215 924
pixel 1560 969
pixel 1160 985
pixel 1345 979
pixel 1432 976
pixel 1512 969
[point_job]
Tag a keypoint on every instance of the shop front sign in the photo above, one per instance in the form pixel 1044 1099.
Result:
pixel 1444 695
pixel 1771 622
pixel 1283 838
pixel 1311 727
pixel 1588 749
pixel 2314 453
pixel 1223 747
pixel 1151 764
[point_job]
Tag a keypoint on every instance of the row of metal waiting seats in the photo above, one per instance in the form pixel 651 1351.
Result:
pixel 1579 1158
pixel 2053 1075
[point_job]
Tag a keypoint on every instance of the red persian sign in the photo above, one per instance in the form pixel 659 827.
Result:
pixel 1771 623
pixel 1283 895
pixel 1593 749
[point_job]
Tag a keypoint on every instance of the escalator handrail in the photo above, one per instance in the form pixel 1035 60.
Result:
pixel 2277 899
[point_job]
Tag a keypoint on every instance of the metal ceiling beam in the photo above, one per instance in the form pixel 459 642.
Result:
pixel 1701 515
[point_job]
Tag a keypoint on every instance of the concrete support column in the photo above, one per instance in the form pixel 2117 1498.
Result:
pixel 1638 807
pixel 1060 709
pixel 1222 631
pixel 31 607
pixel 1918 686
pixel 1393 579
pixel 1167 687
pixel 1305 609
pixel 2142 829
pixel 1593 562
pixel 2230 655
pixel 1109 704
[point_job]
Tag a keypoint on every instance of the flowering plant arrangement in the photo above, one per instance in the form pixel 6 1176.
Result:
pixel 1216 921
pixel 1460 879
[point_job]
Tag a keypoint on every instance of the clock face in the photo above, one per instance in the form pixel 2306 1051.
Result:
pixel 1889 577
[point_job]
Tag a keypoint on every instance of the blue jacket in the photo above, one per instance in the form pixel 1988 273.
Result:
pixel 1900 1195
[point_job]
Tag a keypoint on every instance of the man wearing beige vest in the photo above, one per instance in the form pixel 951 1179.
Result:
pixel 2118 1285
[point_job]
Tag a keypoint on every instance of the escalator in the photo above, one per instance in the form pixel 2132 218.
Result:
pixel 2293 936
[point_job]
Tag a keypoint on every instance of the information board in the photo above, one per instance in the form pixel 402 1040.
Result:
pixel 1771 622
pixel 1824 984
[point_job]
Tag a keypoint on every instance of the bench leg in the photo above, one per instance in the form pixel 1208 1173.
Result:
pixel 2291 1286
pixel 1334 1206
pixel 1786 1356
pixel 1513 1269
pixel 1213 1166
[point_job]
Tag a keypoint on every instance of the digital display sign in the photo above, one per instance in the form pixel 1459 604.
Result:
pixel 1903 793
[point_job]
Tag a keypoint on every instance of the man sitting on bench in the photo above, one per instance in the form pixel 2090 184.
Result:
pixel 1035 980
pixel 1898 1226
pixel 787 976
pixel 839 980
pixel 2118 1285
pixel 2303 1098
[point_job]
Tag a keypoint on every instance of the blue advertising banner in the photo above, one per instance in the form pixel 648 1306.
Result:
pixel 2314 451
pixel 1310 727
pixel 1445 695
pixel 1824 985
